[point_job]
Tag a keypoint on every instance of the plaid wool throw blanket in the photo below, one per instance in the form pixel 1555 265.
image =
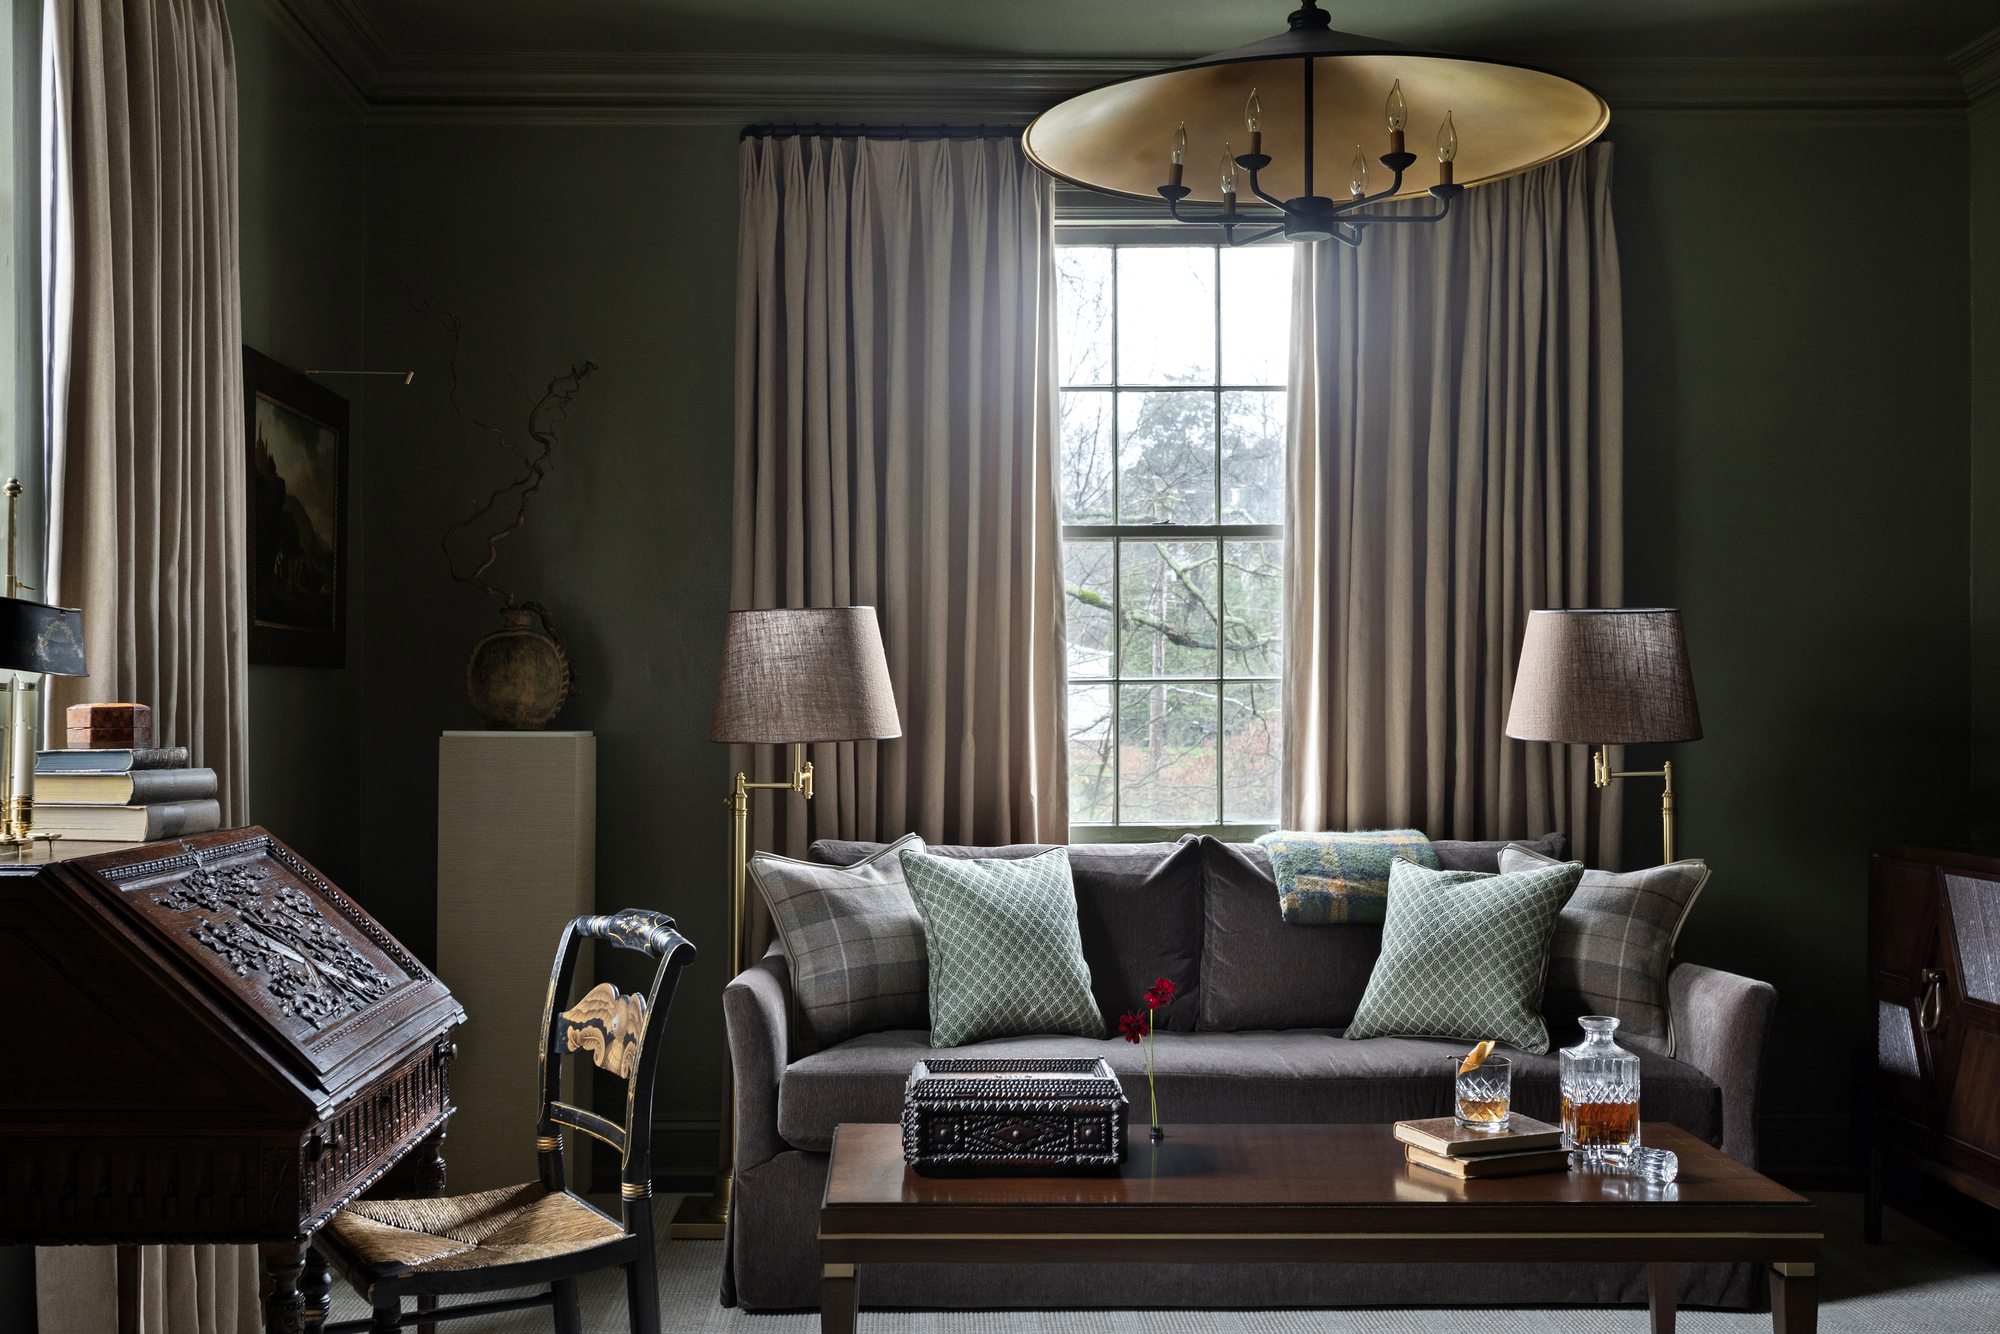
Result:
pixel 1344 877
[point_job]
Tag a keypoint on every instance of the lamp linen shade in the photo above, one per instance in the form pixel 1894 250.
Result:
pixel 1604 676
pixel 803 674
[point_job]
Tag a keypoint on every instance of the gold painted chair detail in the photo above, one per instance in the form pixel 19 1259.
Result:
pixel 541 1231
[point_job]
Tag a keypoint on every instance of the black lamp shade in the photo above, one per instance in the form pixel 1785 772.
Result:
pixel 35 637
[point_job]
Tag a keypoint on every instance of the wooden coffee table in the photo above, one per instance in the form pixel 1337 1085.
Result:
pixel 1310 1194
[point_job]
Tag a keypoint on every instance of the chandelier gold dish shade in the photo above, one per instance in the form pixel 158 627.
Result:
pixel 1302 132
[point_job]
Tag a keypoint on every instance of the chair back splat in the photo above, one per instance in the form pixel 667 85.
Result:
pixel 622 1034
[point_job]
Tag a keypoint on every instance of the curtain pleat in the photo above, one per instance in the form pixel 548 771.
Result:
pixel 144 399
pixel 1456 460
pixel 895 448
pixel 146 455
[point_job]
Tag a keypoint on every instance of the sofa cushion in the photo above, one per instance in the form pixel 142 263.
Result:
pixel 1005 956
pixel 1613 948
pixel 1300 1076
pixel 1138 909
pixel 1464 954
pixel 1259 972
pixel 854 938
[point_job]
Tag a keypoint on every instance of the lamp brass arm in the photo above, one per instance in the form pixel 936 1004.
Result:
pixel 1601 776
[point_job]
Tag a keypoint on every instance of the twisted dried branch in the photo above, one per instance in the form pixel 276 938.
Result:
pixel 544 417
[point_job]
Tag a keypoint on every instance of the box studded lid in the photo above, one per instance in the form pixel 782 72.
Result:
pixel 965 1117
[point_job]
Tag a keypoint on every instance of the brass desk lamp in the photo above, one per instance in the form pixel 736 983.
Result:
pixel 1607 676
pixel 39 639
pixel 789 677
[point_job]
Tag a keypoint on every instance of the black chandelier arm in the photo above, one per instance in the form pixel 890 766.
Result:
pixel 1366 200
pixel 1223 220
pixel 1351 242
pixel 1371 220
pixel 1229 234
pixel 1258 190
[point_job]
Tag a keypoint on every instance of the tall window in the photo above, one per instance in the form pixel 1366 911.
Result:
pixel 1173 363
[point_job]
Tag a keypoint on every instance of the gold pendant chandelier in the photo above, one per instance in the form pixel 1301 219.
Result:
pixel 1298 102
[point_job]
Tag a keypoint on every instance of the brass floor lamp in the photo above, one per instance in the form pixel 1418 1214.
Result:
pixel 792 676
pixel 1608 676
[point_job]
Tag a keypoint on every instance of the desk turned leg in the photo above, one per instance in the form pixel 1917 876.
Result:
pixel 284 1305
pixel 430 1181
pixel 1663 1284
pixel 315 1283
pixel 839 1299
pixel 1794 1299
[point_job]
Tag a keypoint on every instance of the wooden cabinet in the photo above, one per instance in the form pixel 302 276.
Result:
pixel 1934 977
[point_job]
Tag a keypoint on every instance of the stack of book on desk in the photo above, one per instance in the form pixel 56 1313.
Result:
pixel 130 795
pixel 1442 1145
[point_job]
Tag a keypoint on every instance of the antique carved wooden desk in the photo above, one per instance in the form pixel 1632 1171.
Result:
pixel 1309 1194
pixel 222 1047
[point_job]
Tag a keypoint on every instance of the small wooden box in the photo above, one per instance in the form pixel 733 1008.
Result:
pixel 109 726
pixel 1061 1117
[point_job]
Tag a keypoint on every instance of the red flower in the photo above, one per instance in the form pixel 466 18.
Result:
pixel 1162 995
pixel 1134 1026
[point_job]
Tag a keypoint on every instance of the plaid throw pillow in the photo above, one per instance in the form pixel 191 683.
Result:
pixel 1463 954
pixel 854 938
pixel 1613 945
pixel 1006 956
pixel 1326 878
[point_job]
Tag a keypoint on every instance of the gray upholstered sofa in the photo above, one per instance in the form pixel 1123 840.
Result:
pixel 1255 1037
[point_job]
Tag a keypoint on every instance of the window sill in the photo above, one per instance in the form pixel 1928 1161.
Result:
pixel 1164 833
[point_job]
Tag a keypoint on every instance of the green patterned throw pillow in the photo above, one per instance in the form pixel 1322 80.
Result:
pixel 1005 955
pixel 1464 955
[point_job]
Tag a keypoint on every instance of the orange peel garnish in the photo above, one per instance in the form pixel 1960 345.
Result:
pixel 1476 1057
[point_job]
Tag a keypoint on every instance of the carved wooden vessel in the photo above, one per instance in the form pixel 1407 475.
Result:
pixel 231 1049
pixel 1013 1117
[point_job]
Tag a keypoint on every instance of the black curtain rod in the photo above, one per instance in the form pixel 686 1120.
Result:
pixel 883 131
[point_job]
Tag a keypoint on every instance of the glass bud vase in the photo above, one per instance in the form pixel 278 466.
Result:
pixel 1600 1092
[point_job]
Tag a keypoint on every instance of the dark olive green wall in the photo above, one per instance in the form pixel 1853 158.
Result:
pixel 1985 267
pixel 301 148
pixel 1797 454
pixel 555 245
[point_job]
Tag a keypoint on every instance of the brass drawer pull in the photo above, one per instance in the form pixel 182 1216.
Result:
pixel 1930 1010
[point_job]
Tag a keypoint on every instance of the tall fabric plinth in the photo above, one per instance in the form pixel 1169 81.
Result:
pixel 517 859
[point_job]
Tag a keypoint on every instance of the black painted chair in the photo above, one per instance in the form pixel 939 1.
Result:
pixel 541 1231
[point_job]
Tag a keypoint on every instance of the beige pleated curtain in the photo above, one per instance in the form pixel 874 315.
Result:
pixel 142 330
pixel 895 442
pixel 1456 460
pixel 144 339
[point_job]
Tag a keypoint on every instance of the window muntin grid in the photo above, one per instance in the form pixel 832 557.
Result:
pixel 1173 497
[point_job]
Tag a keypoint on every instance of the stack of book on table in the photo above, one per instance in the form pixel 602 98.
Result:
pixel 1442 1145
pixel 124 795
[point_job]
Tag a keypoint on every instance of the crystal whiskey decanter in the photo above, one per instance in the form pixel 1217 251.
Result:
pixel 1600 1093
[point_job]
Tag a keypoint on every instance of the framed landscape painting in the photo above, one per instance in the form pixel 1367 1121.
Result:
pixel 296 432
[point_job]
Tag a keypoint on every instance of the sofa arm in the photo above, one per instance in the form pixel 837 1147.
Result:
pixel 754 1007
pixel 1721 1023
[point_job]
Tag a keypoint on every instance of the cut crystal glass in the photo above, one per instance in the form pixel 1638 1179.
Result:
pixel 1600 1092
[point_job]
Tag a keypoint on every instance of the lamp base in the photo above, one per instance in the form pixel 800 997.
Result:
pixel 703 1218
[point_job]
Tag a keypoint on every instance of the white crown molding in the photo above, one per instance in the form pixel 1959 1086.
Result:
pixel 739 88
pixel 1978 62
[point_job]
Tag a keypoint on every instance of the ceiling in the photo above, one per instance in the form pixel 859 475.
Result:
pixel 428 29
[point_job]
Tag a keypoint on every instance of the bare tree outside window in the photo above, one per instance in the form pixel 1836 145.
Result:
pixel 1173 365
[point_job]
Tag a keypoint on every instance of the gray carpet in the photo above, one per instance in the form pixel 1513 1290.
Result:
pixel 1917 1282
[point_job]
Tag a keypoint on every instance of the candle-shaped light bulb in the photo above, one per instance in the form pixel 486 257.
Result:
pixel 1447 140
pixel 1228 172
pixel 1394 108
pixel 1180 145
pixel 1253 113
pixel 1357 176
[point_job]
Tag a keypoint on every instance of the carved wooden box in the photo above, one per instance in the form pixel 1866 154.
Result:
pixel 1013 1118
